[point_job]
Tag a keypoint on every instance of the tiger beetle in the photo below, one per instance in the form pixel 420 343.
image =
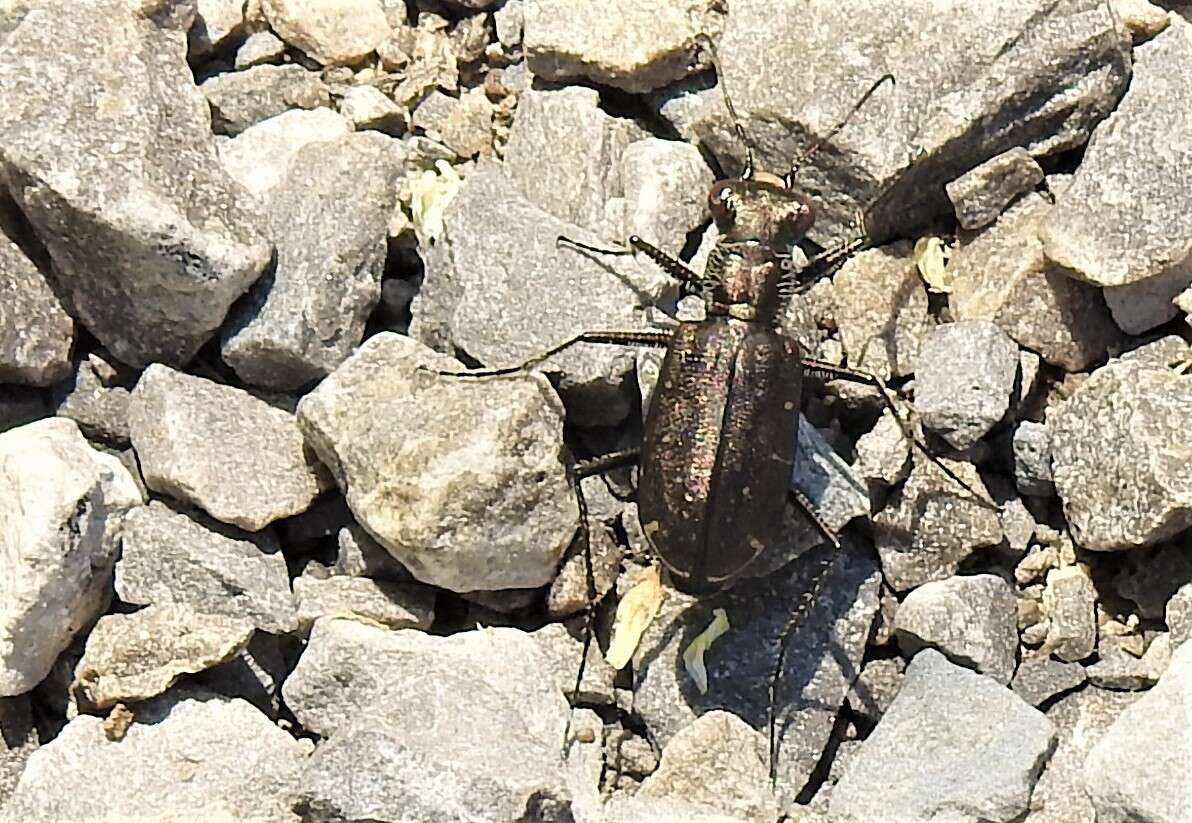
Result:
pixel 718 453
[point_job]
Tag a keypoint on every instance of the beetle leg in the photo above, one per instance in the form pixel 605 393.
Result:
pixel 800 500
pixel 827 371
pixel 673 266
pixel 657 339
pixel 588 468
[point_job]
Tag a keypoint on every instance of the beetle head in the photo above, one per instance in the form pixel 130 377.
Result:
pixel 762 209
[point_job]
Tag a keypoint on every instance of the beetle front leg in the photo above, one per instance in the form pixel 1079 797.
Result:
pixel 656 339
pixel 673 266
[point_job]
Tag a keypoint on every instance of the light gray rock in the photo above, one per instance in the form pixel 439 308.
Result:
pixel 964 380
pixel 931 524
pixel 568 592
pixel 1001 274
pixel 509 22
pixel 132 657
pixel 20 739
pixel 1144 304
pixel 719 763
pixel 479 710
pixel 173 558
pixel 970 618
pixel 36 333
pixel 665 184
pixel 259 48
pixel 564 649
pixel 881 310
pixel 876 687
pixel 1119 450
pixel 1118 222
pixel 342 33
pixel 259 158
pixel 150 240
pixel 330 222
pixel 1032 459
pixel 216 23
pixel 981 194
pixel 1069 603
pixel 1178 615
pixel 205 758
pixel 1040 678
pixel 61 503
pixel 991 85
pixel 241 99
pixel 954 745
pixel 367 107
pixel 1081 718
pixel 394 605
pixel 1123 671
pixel 1155 787
pixel 463 124
pixel 359 555
pixel 424 55
pixel 233 455
pixel 629 45
pixel 509 466
pixel 97 398
pixel 883 452
pixel 500 288
pixel 1143 18
pixel 823 656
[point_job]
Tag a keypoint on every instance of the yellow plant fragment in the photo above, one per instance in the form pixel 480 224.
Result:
pixel 634 614
pixel 429 193
pixel 931 256
pixel 693 656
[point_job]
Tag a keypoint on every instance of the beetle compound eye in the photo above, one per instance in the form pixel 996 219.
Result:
pixel 721 198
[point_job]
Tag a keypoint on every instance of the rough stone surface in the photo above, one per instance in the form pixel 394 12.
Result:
pixel 563 649
pixel 1123 671
pixel 18 741
pixel 716 763
pixel 1036 74
pixel 1069 603
pixel 61 506
pixel 340 32
pixel 1001 274
pixel 1118 222
pixel 1179 615
pixel 259 158
pixel 876 687
pixel 1081 718
pixel 981 194
pixel 241 99
pixel 822 658
pixel 433 719
pixel 1040 678
pixel 151 241
pixel 964 381
pixel 216 23
pixel 881 310
pixel 359 555
pixel 259 48
pixel 262 470
pixel 971 619
pixel 1151 577
pixel 510 466
pixel 883 453
pixel 1143 18
pixel 394 605
pixel 1142 305
pixel 1120 454
pixel 1155 787
pixel 1032 459
pixel 200 758
pixel 626 44
pixel 132 657
pixel 954 745
pixel 931 524
pixel 36 333
pixel 97 398
pixel 367 107
pixel 174 558
pixel 463 124
pixel 330 222
pixel 256 674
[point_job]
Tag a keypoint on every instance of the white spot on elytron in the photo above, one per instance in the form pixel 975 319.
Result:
pixel 746 492
pixel 689 497
pixel 788 406
pixel 756 544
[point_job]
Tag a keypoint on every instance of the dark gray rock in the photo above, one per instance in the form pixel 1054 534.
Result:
pixel 1040 678
pixel 510 466
pixel 883 452
pixel 822 658
pixel 1119 223
pixel 876 687
pixel 241 99
pixel 931 524
pixel 981 194
pixel 256 674
pixel 18 741
pixel 1142 305
pixel 954 745
pixel 151 242
pixel 1155 787
pixel 964 380
pixel 180 759
pixel 62 503
pixel 1001 274
pixel 880 307
pixel 1038 75
pixel 170 557
pixel 971 619
pixel 97 398
pixel 218 447
pixel 1107 437
pixel 36 333
pixel 340 34
pixel 623 44
pixel 330 222
pixel 478 709
pixel 563 647
pixel 568 592
pixel 359 555
pixel 1032 459
pixel 20 405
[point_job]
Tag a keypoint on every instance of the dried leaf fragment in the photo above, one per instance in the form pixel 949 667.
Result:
pixel 931 257
pixel 634 614
pixel 693 655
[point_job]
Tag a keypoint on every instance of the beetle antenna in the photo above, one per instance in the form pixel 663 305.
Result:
pixel 714 57
pixel 789 177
